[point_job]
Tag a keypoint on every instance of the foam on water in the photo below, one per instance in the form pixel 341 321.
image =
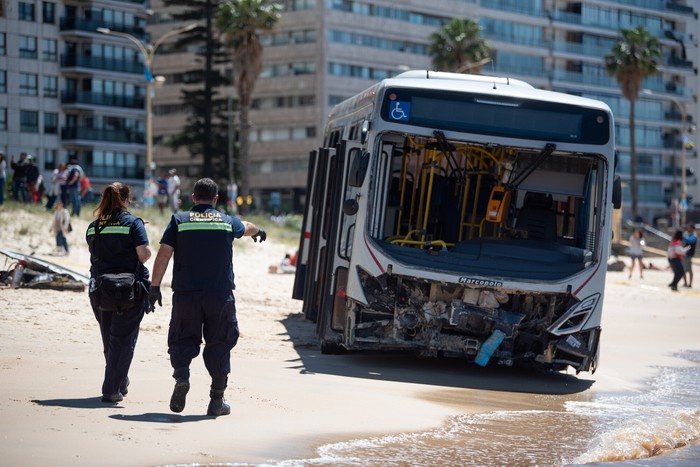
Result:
pixel 655 422
pixel 606 429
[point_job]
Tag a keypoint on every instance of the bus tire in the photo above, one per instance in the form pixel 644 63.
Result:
pixel 331 348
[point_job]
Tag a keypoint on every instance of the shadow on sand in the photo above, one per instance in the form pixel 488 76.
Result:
pixel 96 403
pixel 84 403
pixel 162 418
pixel 407 368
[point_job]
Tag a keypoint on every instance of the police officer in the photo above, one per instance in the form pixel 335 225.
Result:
pixel 203 302
pixel 118 244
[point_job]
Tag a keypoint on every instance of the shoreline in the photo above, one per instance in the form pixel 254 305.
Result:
pixel 287 398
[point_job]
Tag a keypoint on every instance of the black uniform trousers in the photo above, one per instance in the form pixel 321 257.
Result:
pixel 119 333
pixel 210 315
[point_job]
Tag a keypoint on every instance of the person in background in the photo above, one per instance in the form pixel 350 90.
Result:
pixel 58 179
pixel 19 177
pixel 675 253
pixel 203 301
pixel 118 244
pixel 174 190
pixel 75 173
pixel 33 181
pixel 3 178
pixel 637 252
pixel 162 195
pixel 690 240
pixel 85 190
pixel 60 228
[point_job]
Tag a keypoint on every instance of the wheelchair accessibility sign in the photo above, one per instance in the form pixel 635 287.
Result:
pixel 400 111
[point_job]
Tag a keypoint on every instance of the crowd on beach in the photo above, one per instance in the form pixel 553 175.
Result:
pixel 69 183
pixel 66 192
pixel 680 253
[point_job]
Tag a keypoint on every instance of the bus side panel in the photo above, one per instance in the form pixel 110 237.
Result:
pixel 305 236
pixel 315 275
pixel 340 226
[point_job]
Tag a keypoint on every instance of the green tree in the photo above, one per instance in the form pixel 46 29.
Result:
pixel 240 21
pixel 458 46
pixel 202 104
pixel 632 59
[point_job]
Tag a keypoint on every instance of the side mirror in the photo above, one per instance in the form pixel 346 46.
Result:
pixel 365 131
pixel 358 167
pixel 350 207
pixel 617 192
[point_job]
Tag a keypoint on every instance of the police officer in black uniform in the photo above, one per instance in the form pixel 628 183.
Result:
pixel 118 244
pixel 203 301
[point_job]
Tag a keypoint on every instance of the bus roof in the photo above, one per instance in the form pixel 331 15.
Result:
pixel 502 86
pixel 484 84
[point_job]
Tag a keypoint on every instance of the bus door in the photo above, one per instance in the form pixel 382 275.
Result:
pixel 312 245
pixel 346 172
pixel 305 239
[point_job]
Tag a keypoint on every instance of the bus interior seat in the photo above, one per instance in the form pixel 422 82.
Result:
pixel 537 218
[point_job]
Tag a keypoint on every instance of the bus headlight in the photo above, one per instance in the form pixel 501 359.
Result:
pixel 575 317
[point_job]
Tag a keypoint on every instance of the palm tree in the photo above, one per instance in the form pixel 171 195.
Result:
pixel 240 21
pixel 458 46
pixel 630 61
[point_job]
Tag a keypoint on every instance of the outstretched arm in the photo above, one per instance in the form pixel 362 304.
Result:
pixel 251 230
pixel 161 263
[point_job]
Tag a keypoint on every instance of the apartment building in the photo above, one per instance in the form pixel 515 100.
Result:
pixel 321 52
pixel 326 50
pixel 67 90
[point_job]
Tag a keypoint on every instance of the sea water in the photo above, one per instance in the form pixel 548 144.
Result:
pixel 658 427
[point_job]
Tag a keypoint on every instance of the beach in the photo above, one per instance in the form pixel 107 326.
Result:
pixel 287 399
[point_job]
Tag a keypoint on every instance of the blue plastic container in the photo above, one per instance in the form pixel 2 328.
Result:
pixel 489 347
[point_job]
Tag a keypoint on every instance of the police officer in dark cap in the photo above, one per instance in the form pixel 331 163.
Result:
pixel 203 303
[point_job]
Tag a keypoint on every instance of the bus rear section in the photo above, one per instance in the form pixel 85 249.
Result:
pixel 450 242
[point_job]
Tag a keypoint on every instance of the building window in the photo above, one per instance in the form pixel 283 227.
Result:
pixel 28 84
pixel 50 159
pixel 50 86
pixel 48 12
pixel 29 121
pixel 26 11
pixel 3 119
pixel 27 47
pixel 3 44
pixel 3 81
pixel 50 123
pixel 49 50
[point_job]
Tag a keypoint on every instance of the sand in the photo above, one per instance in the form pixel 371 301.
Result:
pixel 286 397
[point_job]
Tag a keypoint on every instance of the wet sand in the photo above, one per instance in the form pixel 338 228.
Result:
pixel 287 398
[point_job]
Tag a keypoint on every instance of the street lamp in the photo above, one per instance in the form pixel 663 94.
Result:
pixel 148 51
pixel 684 113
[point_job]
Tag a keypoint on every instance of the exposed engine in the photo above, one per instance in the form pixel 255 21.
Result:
pixel 454 320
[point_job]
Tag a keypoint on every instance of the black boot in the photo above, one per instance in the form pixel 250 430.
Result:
pixel 124 387
pixel 182 387
pixel 217 406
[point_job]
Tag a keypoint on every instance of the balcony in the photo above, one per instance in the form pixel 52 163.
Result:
pixel 514 6
pixel 589 79
pixel 111 172
pixel 97 134
pixel 679 63
pixel 89 25
pixel 675 7
pixel 100 63
pixel 98 98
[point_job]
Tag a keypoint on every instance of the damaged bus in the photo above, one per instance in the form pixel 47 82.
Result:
pixel 461 215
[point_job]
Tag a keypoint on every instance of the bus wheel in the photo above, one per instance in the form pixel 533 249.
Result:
pixel 331 348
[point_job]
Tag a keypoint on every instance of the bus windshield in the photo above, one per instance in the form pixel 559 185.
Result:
pixel 495 211
pixel 501 116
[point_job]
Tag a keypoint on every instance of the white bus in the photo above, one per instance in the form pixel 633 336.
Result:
pixel 461 215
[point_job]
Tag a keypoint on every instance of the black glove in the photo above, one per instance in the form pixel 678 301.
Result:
pixel 261 235
pixel 153 297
